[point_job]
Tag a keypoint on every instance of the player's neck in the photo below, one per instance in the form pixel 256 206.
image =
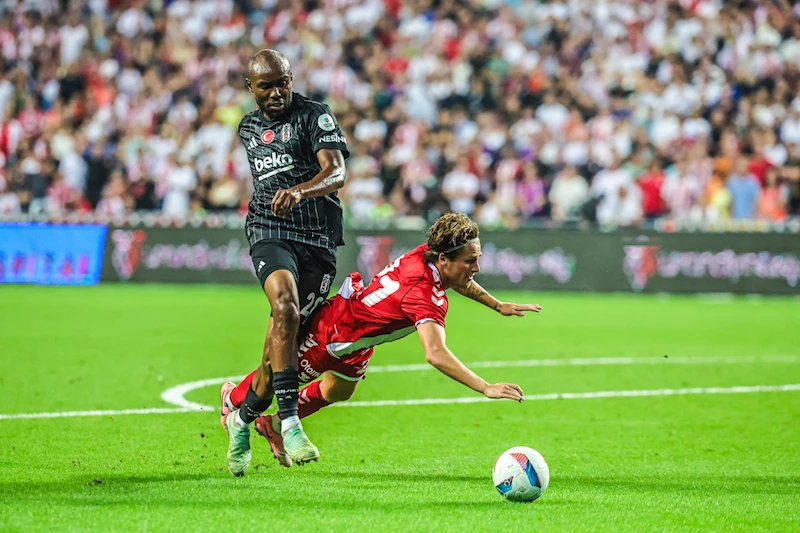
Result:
pixel 441 278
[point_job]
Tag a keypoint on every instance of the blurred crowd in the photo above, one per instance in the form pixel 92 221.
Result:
pixel 512 111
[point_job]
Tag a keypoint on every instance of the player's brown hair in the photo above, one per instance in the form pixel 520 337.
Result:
pixel 449 235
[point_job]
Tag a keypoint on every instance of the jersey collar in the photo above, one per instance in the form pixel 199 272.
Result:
pixel 435 271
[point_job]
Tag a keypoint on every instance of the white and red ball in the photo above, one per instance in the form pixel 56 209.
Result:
pixel 521 474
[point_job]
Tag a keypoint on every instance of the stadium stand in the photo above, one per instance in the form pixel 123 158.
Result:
pixel 518 113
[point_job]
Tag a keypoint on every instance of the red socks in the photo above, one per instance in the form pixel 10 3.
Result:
pixel 238 394
pixel 310 400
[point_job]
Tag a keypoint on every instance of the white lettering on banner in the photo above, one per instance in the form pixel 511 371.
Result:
pixel 273 160
pixel 643 263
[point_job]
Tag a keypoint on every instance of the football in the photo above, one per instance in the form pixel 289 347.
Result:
pixel 521 474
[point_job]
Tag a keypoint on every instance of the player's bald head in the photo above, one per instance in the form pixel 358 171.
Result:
pixel 268 64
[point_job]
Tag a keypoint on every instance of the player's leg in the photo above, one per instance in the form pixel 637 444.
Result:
pixel 330 389
pixel 313 397
pixel 276 266
pixel 232 395
pixel 317 268
pixel 340 380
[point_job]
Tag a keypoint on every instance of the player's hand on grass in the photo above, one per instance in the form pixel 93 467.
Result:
pixel 284 200
pixel 504 390
pixel 509 309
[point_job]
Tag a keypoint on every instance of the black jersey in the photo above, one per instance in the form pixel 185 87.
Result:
pixel 283 153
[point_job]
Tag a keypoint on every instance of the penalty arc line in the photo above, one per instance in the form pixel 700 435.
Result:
pixel 795 387
pixel 177 394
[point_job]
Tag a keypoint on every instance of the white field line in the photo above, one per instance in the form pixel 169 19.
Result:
pixel 592 361
pixel 450 401
pixel 73 414
pixel 582 395
pixel 176 395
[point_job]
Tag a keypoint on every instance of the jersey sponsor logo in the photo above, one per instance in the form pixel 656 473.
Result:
pixel 286 133
pixel 252 144
pixel 267 136
pixel 307 372
pixel 333 138
pixel 326 123
pixel 278 162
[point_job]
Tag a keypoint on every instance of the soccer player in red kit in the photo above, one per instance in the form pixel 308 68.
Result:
pixel 409 294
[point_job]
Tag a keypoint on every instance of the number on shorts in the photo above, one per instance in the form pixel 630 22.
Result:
pixel 311 305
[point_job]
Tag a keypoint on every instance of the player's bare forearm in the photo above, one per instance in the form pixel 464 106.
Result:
pixel 330 179
pixel 448 364
pixel 479 294
pixel 432 336
pixel 475 292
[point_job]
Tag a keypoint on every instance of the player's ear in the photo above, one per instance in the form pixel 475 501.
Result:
pixel 249 86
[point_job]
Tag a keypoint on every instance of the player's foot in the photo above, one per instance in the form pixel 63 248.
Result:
pixel 299 449
pixel 238 446
pixel 266 430
pixel 224 392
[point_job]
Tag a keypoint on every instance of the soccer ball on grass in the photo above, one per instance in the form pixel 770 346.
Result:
pixel 521 474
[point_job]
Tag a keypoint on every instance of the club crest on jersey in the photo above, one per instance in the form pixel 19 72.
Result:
pixel 325 285
pixel 325 122
pixel 268 136
pixel 286 133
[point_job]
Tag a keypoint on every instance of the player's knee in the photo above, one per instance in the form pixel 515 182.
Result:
pixel 286 314
pixel 339 394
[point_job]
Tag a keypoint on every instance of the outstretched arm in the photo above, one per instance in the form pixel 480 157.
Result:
pixel 437 354
pixel 479 294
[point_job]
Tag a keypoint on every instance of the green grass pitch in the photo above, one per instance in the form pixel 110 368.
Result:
pixel 701 462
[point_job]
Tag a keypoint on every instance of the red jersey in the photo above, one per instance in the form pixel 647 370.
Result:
pixel 402 296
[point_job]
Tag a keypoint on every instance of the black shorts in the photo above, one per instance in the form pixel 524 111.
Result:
pixel 312 267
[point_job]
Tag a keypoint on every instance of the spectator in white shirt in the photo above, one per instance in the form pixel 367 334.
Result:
pixel 552 113
pixel 179 180
pixel 460 187
pixel 606 185
pixel 568 192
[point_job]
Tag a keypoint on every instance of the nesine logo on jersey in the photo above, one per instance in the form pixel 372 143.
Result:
pixel 268 136
pixel 278 162
pixel 333 138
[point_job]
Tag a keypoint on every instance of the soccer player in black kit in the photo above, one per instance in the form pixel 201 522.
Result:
pixel 296 152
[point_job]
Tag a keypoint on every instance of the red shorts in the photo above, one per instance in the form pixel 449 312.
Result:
pixel 315 359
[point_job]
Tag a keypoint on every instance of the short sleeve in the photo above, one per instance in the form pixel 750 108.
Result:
pixel 425 303
pixel 325 131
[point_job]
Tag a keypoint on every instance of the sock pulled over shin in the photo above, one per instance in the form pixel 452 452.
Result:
pixel 286 384
pixel 253 406
pixel 311 400
pixel 238 394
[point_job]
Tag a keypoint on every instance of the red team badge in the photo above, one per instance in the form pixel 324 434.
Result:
pixel 268 136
